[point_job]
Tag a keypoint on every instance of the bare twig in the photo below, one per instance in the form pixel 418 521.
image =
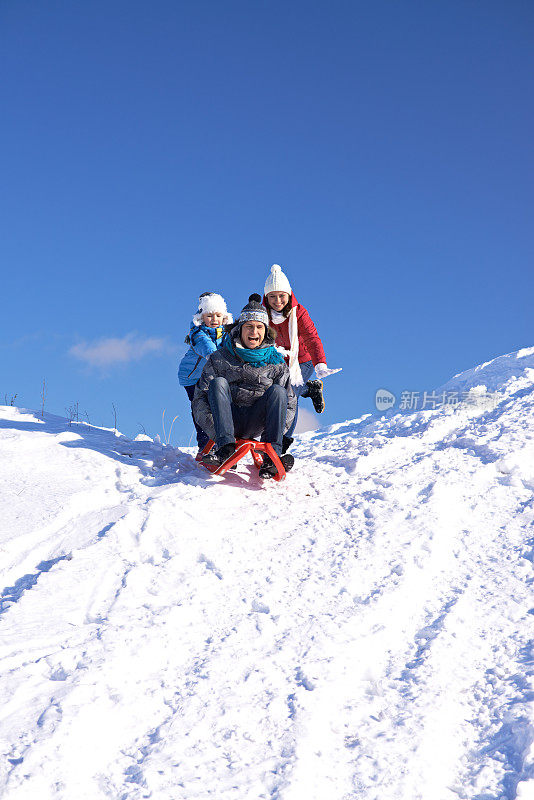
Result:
pixel 73 413
pixel 166 438
pixel 170 432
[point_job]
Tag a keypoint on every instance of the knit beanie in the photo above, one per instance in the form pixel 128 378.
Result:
pixel 253 312
pixel 212 303
pixel 277 281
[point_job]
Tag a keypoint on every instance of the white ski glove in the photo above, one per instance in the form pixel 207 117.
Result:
pixel 321 371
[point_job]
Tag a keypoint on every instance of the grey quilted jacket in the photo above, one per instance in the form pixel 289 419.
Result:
pixel 247 383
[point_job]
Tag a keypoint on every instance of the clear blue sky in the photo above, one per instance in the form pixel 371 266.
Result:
pixel 381 152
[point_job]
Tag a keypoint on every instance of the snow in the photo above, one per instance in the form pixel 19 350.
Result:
pixel 493 374
pixel 362 630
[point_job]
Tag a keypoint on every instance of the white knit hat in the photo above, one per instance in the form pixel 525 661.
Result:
pixel 277 281
pixel 212 303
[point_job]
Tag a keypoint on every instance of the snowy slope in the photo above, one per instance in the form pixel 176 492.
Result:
pixel 493 374
pixel 363 630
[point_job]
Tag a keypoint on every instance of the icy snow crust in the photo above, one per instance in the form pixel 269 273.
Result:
pixel 362 630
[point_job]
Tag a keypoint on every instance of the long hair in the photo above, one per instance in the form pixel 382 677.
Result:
pixel 288 306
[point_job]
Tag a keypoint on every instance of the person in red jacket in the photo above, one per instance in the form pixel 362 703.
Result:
pixel 297 337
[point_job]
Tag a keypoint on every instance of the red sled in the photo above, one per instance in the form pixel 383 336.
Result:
pixel 242 447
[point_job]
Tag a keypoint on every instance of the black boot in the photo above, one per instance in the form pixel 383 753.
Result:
pixel 268 469
pixel 211 459
pixel 314 390
pixel 216 458
pixel 226 451
pixel 288 461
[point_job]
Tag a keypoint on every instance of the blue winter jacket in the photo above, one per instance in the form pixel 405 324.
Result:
pixel 203 342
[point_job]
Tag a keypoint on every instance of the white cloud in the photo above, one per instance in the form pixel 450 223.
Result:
pixel 109 352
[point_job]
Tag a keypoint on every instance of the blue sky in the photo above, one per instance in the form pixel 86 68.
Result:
pixel 381 152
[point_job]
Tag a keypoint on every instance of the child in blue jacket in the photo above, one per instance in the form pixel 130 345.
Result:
pixel 205 336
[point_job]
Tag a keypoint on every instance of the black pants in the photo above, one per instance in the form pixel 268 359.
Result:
pixel 202 439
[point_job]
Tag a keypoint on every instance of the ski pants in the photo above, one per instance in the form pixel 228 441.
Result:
pixel 202 439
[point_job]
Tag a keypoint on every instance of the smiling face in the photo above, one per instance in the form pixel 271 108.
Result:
pixel 277 300
pixel 252 334
pixel 213 319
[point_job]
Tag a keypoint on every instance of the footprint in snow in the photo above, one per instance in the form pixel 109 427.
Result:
pixel 303 681
pixel 210 566
pixel 59 675
pixel 260 608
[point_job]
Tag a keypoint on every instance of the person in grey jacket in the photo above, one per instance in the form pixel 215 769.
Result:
pixel 245 391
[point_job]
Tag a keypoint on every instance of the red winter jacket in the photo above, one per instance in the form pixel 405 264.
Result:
pixel 310 346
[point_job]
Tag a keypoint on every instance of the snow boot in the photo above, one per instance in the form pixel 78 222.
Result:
pixel 210 459
pixel 226 451
pixel 288 461
pixel 314 390
pixel 268 469
pixel 216 458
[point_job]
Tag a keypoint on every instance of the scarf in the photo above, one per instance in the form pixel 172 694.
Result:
pixel 293 352
pixel 257 357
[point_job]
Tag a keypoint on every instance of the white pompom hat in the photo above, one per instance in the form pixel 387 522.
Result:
pixel 277 281
pixel 212 303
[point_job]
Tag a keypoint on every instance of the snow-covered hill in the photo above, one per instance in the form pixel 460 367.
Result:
pixel 363 630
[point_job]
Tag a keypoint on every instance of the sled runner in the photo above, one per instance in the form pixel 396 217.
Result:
pixel 244 446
